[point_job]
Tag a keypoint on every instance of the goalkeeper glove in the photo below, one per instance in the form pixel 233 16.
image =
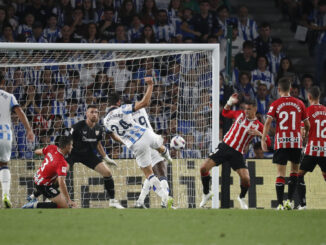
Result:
pixel 109 161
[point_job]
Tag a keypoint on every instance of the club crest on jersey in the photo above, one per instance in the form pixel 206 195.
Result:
pixel 64 169
pixel 97 132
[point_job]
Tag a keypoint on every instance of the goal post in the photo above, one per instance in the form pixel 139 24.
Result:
pixel 186 77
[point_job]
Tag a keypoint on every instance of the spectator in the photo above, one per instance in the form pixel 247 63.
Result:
pixel 64 11
pixel 246 61
pixel 30 102
pixel 120 35
pixel 71 117
pixel 3 19
pixel 126 13
pixel 234 79
pixel 258 152
pixel 191 4
pixel 101 86
pixel 87 74
pixel 52 32
pixel 191 150
pixel 237 42
pixel 287 70
pixel 66 33
pixel 306 83
pixel 61 75
pixel 244 87
pixel 74 88
pixel 58 103
pixel 89 13
pixel 295 92
pixel 275 55
pixel 45 85
pixel 262 74
pixel 156 116
pixel 37 36
pixel 7 34
pixel 149 12
pixel 203 23
pixel 107 24
pixel 37 9
pixel 119 75
pixel 130 92
pixel 263 42
pixel 25 31
pixel 12 17
pixel 42 121
pixel 78 28
pixel 148 69
pixel 247 27
pixel 135 31
pixel 175 14
pixel 187 28
pixel 223 20
pixel 263 100
pixel 164 30
pixel 92 34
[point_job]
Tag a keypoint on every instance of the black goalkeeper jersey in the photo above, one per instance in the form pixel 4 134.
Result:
pixel 85 139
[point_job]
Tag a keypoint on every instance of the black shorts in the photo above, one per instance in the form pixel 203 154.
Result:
pixel 90 160
pixel 225 153
pixel 309 163
pixel 282 156
pixel 48 191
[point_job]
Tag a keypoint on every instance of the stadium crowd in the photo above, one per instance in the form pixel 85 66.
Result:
pixel 55 97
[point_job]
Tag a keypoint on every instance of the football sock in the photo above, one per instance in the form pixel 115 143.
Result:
pixel 157 188
pixel 302 190
pixel 109 186
pixel 46 205
pixel 5 178
pixel 292 183
pixel 244 190
pixel 205 179
pixel 144 191
pixel 164 184
pixel 280 181
pixel 166 154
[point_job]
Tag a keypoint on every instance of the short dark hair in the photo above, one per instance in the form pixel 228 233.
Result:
pixel 114 98
pixel 251 102
pixel 257 145
pixel 92 106
pixel 265 24
pixel 277 40
pixel 284 84
pixel 248 44
pixel 64 141
pixel 314 91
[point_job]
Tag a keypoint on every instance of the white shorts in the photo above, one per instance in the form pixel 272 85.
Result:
pixel 156 157
pixel 143 148
pixel 5 150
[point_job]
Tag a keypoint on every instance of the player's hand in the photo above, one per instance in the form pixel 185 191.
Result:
pixel 148 80
pixel 110 161
pixel 30 136
pixel 254 132
pixel 233 99
pixel 72 204
pixel 263 145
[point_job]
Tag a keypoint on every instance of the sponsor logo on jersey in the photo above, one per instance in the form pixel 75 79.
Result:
pixel 318 148
pixel 288 139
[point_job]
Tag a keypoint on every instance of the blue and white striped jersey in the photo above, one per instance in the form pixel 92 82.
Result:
pixel 274 62
pixel 8 102
pixel 52 35
pixel 248 31
pixel 120 121
pixel 141 117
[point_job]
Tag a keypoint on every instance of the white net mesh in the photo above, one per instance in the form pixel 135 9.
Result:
pixel 54 88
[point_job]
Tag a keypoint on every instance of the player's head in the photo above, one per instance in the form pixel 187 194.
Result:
pixel 92 113
pixel 284 85
pixel 114 99
pixel 65 144
pixel 250 108
pixel 313 94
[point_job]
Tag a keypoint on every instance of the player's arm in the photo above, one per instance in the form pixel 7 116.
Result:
pixel 267 126
pixel 116 137
pixel 64 191
pixel 147 97
pixel 105 157
pixel 306 128
pixel 22 117
pixel 227 112
pixel 259 133
pixel 39 151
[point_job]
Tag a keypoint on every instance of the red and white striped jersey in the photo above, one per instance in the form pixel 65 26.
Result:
pixel 54 165
pixel 237 137
pixel 316 145
pixel 288 113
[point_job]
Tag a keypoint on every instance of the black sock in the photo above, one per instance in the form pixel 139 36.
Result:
pixel 244 190
pixel 279 185
pixel 46 205
pixel 109 186
pixel 292 183
pixel 205 181
pixel 302 190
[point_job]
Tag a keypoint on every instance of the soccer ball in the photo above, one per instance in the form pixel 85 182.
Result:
pixel 178 143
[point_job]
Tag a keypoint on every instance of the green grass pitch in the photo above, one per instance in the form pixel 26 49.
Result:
pixel 161 226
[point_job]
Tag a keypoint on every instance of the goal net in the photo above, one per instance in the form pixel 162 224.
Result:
pixel 54 84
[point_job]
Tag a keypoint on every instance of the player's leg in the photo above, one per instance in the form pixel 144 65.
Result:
pixel 160 170
pixel 205 180
pixel 280 159
pixel 104 170
pixel 244 186
pixel 5 176
pixel 164 151
pixel 301 189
